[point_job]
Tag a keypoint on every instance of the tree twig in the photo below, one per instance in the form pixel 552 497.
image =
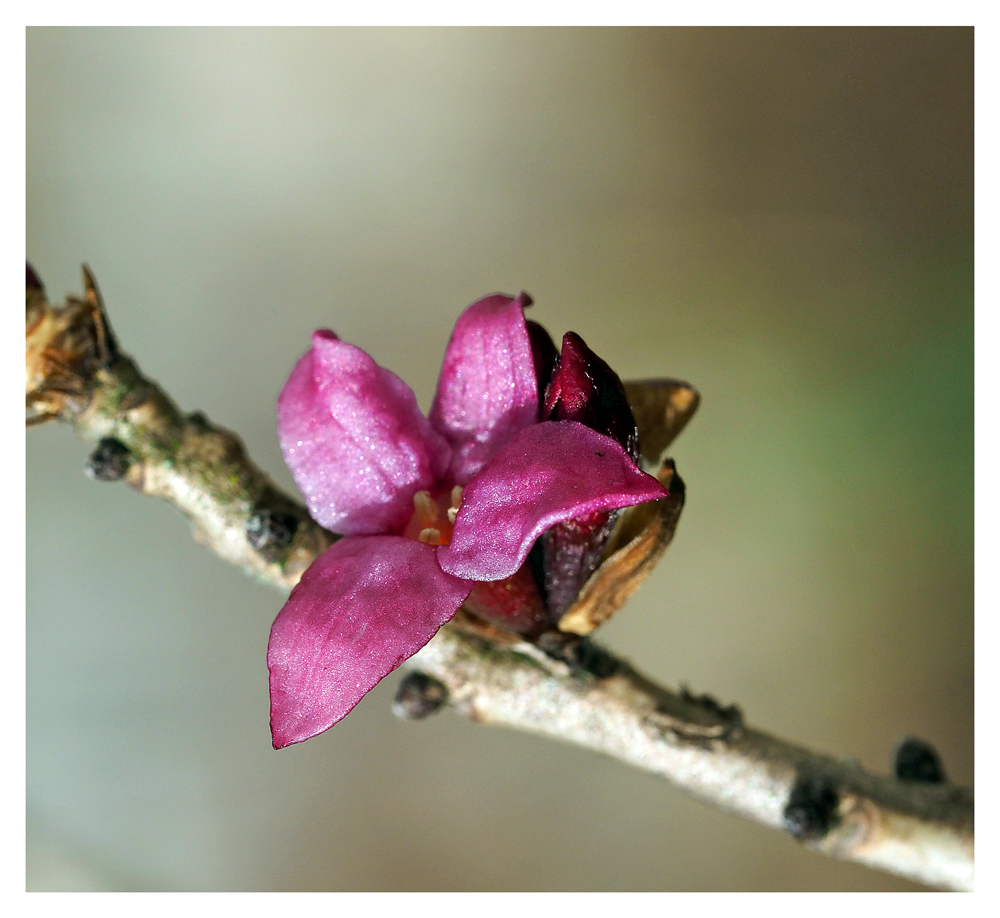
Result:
pixel 912 824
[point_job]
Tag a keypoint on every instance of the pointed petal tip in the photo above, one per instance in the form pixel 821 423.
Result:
pixel 290 729
pixel 289 737
pixel 323 334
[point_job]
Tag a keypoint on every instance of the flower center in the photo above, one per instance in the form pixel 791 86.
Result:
pixel 433 516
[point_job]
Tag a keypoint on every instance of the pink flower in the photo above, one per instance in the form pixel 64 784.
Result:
pixel 428 507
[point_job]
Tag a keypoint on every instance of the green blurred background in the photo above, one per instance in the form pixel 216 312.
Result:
pixel 782 217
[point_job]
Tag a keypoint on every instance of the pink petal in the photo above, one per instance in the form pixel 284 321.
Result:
pixel 550 472
pixel 487 391
pixel 363 607
pixel 355 440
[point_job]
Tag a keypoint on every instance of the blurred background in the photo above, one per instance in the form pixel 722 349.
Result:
pixel 781 217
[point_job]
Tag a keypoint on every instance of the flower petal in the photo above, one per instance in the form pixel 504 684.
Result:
pixel 355 440
pixel 487 391
pixel 363 607
pixel 550 472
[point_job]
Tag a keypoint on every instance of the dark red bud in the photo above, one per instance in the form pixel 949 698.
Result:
pixel 570 554
pixel 545 355
pixel 584 388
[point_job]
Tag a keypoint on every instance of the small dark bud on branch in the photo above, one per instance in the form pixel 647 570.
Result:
pixel 916 760
pixel 110 461
pixel 812 807
pixel 418 697
pixel 268 529
pixel 579 653
pixel 729 713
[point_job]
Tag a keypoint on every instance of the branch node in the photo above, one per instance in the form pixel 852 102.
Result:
pixel 581 655
pixel 730 714
pixel 812 807
pixel 419 696
pixel 110 461
pixel 269 530
pixel 916 760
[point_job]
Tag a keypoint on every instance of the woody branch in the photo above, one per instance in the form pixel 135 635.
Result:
pixel 564 686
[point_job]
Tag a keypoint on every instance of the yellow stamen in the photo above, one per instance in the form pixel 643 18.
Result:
pixel 425 506
pixel 432 519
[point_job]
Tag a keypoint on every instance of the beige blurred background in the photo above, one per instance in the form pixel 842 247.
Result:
pixel 781 217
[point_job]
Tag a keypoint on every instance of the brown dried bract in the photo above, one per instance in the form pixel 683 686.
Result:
pixel 641 537
pixel 64 346
pixel 662 408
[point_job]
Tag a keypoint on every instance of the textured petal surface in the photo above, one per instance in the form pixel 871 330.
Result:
pixel 487 391
pixel 355 440
pixel 363 607
pixel 550 472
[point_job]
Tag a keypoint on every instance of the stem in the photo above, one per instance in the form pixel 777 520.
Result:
pixel 918 830
pixel 564 687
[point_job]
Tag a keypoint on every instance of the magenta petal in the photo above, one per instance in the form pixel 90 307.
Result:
pixel 487 391
pixel 363 607
pixel 355 440
pixel 550 472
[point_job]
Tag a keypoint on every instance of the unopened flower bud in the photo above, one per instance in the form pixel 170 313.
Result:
pixel 583 388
